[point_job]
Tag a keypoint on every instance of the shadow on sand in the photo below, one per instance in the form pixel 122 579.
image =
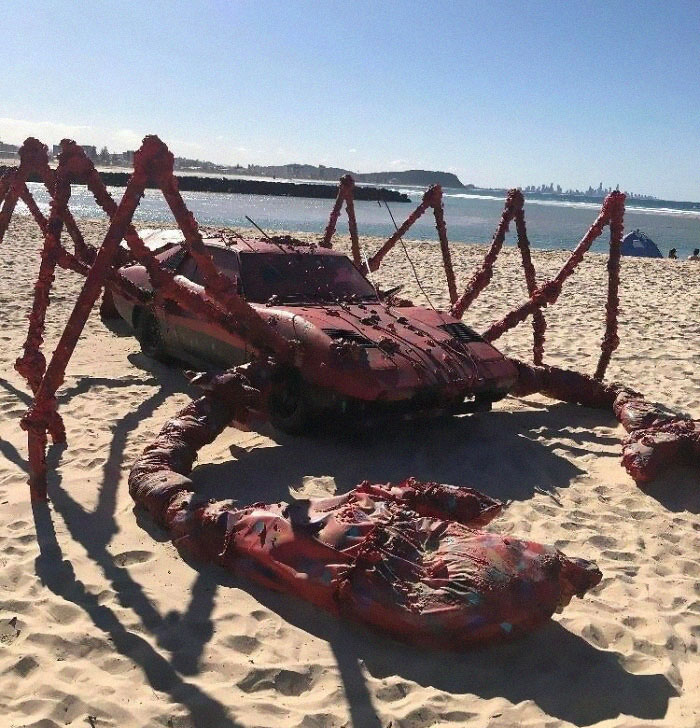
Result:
pixel 499 453
pixel 677 489
pixel 94 531
pixel 567 677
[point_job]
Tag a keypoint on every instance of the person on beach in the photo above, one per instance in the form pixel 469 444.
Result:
pixel 672 254
pixel 695 255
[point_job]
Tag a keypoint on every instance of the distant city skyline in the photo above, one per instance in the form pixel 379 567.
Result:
pixel 502 93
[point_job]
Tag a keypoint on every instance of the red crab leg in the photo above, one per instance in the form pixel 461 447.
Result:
pixel 35 160
pixel 33 208
pixel 31 365
pixel 41 411
pixel 352 222
pixel 563 384
pixel 333 218
pixel 441 227
pixel 539 323
pixel 5 182
pixel 345 194
pixel 549 292
pixel 427 201
pixel 610 339
pixel 216 283
pixel 10 200
pixel 163 280
pixel 481 279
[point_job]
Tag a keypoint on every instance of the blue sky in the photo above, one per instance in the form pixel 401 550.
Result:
pixel 502 93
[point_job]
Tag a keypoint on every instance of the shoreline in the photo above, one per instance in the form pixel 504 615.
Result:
pixel 238 186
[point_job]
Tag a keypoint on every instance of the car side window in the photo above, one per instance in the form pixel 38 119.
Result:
pixel 226 262
pixel 188 268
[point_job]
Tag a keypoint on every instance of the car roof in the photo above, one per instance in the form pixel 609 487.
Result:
pixel 278 244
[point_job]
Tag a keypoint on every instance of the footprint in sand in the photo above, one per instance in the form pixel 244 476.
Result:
pixel 9 631
pixel 286 682
pixel 127 558
pixel 17 525
pixel 243 643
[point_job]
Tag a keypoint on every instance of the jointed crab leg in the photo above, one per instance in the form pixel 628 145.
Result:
pixel 153 163
pixel 610 339
pixel 41 411
pixel 657 439
pixel 539 322
pixel 9 194
pixel 548 293
pixel 482 277
pixel 346 195
pixel 34 161
pixel 216 284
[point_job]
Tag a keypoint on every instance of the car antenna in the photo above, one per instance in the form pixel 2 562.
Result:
pixel 255 224
pixel 274 242
pixel 403 245
pixel 370 277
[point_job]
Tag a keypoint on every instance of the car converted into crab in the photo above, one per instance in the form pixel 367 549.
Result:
pixel 361 352
pixel 295 330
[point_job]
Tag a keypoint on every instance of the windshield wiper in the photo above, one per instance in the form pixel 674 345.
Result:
pixel 301 298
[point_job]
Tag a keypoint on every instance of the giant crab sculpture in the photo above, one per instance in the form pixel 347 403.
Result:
pixel 407 558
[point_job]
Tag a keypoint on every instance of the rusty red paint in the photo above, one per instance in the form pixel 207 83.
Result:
pixel 446 594
pixel 481 279
pixel 539 323
pixel 646 449
pixel 346 189
pixel 548 293
pixel 611 340
pixel 154 163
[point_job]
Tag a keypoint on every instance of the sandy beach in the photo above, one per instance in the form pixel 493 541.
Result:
pixel 102 623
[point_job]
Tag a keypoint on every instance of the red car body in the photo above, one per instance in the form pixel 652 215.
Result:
pixel 359 351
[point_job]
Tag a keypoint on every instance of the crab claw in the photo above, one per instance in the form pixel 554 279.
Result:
pixel 576 577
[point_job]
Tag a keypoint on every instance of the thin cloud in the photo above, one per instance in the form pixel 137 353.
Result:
pixel 19 129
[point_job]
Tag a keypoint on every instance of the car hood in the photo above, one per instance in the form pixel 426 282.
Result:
pixel 373 351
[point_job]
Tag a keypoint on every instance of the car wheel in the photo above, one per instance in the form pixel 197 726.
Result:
pixel 150 336
pixel 290 408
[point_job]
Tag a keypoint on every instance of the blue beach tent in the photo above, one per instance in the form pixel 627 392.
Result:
pixel 640 245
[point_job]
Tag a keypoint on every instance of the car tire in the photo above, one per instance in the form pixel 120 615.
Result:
pixel 289 405
pixel 150 336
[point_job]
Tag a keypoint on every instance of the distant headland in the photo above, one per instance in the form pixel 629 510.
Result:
pixel 296 180
pixel 409 177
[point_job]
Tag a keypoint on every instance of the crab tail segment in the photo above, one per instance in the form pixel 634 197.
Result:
pixel 406 559
pixel 160 474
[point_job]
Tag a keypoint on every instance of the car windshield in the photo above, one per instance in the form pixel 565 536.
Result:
pixel 302 277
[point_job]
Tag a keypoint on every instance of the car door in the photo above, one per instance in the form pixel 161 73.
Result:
pixel 203 339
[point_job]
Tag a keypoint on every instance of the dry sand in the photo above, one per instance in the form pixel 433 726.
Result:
pixel 103 624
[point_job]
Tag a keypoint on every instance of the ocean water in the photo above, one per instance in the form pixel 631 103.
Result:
pixel 551 225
